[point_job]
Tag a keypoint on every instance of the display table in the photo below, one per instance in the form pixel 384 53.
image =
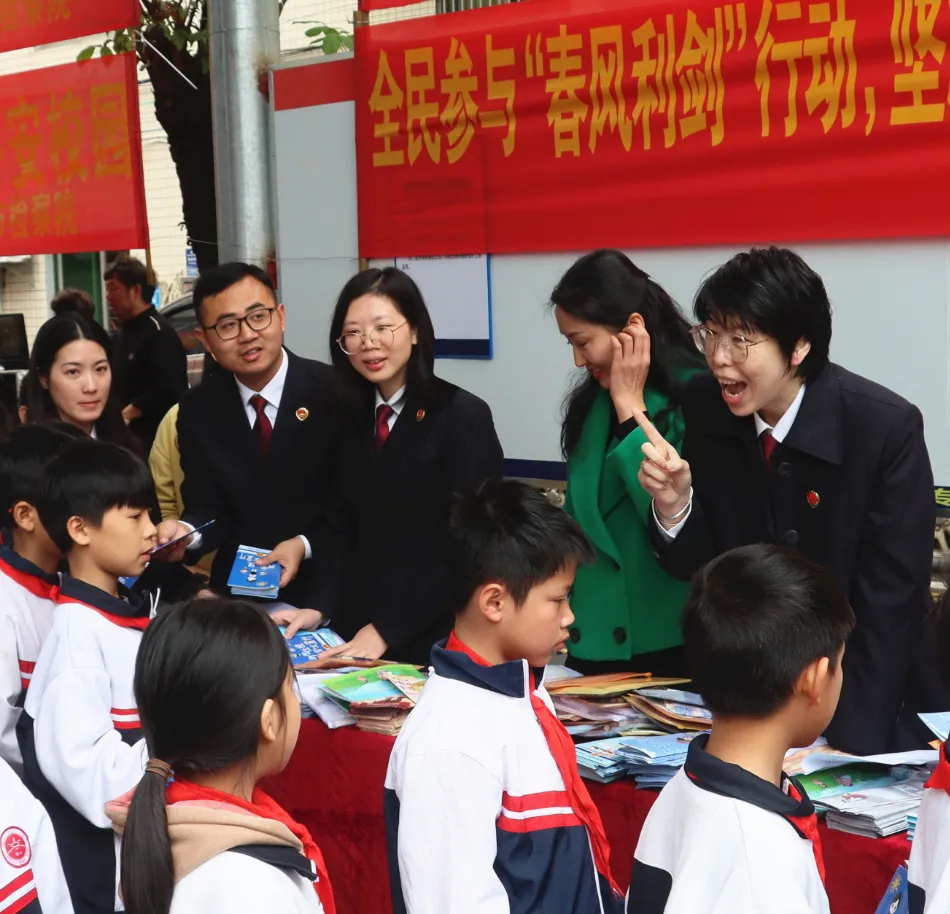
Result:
pixel 334 786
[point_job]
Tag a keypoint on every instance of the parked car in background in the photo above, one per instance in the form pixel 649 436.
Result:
pixel 181 315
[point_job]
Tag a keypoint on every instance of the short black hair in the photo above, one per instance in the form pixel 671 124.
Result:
pixel 24 454
pixel 131 273
pixel 774 291
pixel 754 619
pixel 217 279
pixel 87 479
pixel 510 533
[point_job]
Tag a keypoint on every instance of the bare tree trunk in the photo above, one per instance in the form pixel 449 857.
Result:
pixel 185 115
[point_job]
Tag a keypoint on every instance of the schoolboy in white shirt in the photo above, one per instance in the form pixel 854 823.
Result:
pixel 764 631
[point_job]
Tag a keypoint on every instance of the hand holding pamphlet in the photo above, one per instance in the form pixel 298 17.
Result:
pixel 249 579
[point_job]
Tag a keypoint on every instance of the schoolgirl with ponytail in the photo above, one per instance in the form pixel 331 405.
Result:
pixel 214 688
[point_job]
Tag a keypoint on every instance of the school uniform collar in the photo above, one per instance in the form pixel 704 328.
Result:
pixel 784 425
pixel 15 566
pixel 710 773
pixel 453 659
pixel 396 402
pixel 273 390
pixel 129 610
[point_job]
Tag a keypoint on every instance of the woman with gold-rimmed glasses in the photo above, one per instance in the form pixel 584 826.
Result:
pixel 410 441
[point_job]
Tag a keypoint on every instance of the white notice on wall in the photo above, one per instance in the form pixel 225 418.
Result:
pixel 457 292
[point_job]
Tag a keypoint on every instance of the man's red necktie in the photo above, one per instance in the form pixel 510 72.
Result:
pixel 769 444
pixel 383 414
pixel 262 427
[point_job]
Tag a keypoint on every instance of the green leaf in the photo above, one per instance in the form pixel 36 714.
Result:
pixel 122 42
pixel 106 51
pixel 347 42
pixel 179 39
pixel 314 32
pixel 86 53
pixel 332 41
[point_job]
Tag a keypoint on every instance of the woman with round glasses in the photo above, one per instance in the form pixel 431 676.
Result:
pixel 784 446
pixel 411 440
pixel 634 347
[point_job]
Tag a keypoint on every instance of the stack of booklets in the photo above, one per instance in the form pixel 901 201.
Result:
pixel 599 707
pixel 877 811
pixel 651 760
pixel 672 711
pixel 379 699
pixel 250 580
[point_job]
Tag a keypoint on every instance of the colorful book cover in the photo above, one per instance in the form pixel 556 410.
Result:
pixel 833 782
pixel 307 646
pixel 895 899
pixel 251 580
pixel 371 687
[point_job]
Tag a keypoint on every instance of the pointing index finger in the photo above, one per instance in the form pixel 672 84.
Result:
pixel 653 436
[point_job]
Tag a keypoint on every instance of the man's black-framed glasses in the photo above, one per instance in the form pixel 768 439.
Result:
pixel 230 327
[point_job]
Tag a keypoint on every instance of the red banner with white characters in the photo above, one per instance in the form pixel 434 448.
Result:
pixel 568 125
pixel 24 23
pixel 71 163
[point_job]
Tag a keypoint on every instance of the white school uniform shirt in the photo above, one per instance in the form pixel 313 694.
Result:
pixel 26 616
pixel 233 883
pixel 720 840
pixel 396 403
pixel 86 733
pixel 478 818
pixel 929 869
pixel 779 433
pixel 31 876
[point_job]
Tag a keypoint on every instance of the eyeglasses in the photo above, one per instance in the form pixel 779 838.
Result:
pixel 735 345
pixel 381 337
pixel 230 327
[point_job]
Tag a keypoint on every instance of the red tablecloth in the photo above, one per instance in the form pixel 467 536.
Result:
pixel 334 786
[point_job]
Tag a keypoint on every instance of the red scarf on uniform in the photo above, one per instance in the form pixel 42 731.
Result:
pixel 940 779
pixel 182 791
pixel 562 749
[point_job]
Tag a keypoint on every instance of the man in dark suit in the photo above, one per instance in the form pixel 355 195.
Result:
pixel 783 446
pixel 255 437
pixel 149 365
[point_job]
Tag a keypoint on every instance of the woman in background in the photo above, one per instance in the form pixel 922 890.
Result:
pixel 637 352
pixel 410 440
pixel 70 379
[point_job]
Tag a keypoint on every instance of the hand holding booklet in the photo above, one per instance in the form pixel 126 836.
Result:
pixel 248 579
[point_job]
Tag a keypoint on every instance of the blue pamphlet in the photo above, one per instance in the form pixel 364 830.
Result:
pixel 895 898
pixel 248 579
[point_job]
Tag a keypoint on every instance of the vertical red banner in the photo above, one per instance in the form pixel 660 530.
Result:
pixel 71 166
pixel 24 23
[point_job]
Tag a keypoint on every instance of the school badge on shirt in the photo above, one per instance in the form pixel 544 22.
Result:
pixel 303 413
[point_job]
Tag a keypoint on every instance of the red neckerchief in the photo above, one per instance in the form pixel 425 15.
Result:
pixel 140 623
pixel 261 805
pixel 808 826
pixel 562 749
pixel 940 779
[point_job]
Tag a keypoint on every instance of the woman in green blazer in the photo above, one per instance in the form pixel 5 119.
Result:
pixel 637 352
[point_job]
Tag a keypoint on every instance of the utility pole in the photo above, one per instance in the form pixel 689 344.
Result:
pixel 245 43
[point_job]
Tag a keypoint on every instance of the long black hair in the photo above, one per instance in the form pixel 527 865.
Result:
pixel 605 287
pixel 398 287
pixel 56 333
pixel 202 675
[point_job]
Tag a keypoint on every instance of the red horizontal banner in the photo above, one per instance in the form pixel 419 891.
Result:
pixel 24 23
pixel 551 126
pixel 71 168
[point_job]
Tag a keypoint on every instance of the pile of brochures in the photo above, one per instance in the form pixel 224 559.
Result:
pixel 248 579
